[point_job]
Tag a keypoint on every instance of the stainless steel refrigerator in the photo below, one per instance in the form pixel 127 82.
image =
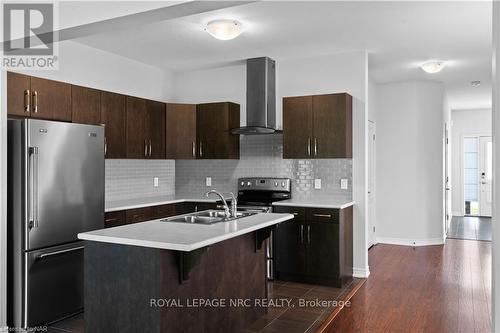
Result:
pixel 55 191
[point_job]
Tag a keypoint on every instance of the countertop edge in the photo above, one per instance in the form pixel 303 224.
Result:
pixel 179 247
pixel 314 205
pixel 277 203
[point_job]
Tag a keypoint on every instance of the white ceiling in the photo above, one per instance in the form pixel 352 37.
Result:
pixel 398 35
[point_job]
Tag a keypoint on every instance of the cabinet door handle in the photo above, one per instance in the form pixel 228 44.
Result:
pixel 105 146
pixel 27 100
pixel 323 215
pixel 35 101
pixel 111 220
pixel 150 148
pixel 145 148
pixel 308 234
pixel 315 147
pixel 193 145
pixel 201 149
pixel 301 234
pixel 309 146
pixel 295 213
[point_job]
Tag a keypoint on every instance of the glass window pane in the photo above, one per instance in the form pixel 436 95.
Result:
pixel 470 176
pixel 470 145
pixel 470 192
pixel 470 160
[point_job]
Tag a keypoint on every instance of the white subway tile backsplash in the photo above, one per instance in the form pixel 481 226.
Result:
pixel 261 156
pixel 128 179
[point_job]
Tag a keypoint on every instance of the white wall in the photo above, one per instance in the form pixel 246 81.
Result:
pixel 465 122
pixel 83 65
pixel 410 128
pixel 346 72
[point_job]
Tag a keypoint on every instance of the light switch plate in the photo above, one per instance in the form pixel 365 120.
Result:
pixel 208 181
pixel 317 183
pixel 344 184
pixel 155 181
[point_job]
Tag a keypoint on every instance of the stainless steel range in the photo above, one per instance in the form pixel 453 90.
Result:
pixel 257 195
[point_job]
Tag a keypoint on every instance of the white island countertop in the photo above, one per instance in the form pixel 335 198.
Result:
pixel 317 202
pixel 182 236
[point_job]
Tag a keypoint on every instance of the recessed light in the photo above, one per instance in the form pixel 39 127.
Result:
pixel 475 83
pixel 432 67
pixel 224 29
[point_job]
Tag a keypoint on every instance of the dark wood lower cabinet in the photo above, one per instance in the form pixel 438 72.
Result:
pixel 315 247
pixel 136 215
pixel 139 215
pixel 115 219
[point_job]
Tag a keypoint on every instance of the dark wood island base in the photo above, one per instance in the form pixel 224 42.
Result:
pixel 127 288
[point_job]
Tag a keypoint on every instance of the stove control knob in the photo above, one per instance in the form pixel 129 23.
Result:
pixel 242 183
pixel 249 184
pixel 283 184
pixel 275 184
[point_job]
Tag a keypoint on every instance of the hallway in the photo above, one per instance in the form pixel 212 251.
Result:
pixel 423 289
pixel 470 227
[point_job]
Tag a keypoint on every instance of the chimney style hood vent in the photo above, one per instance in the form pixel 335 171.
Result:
pixel 261 98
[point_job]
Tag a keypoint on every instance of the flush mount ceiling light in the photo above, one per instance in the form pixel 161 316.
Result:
pixel 224 29
pixel 475 83
pixel 432 67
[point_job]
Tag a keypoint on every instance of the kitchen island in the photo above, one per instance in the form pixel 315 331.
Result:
pixel 160 276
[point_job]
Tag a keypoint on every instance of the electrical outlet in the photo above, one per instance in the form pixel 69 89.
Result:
pixel 317 184
pixel 344 184
pixel 208 181
pixel 155 181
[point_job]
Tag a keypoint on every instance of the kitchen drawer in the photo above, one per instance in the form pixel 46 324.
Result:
pixel 139 215
pixel 323 215
pixel 299 213
pixel 162 211
pixel 114 219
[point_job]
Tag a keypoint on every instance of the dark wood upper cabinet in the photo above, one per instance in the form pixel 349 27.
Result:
pixel 114 117
pixel 156 129
pixel 85 105
pixel 18 94
pixel 137 128
pixel 38 98
pixel 145 128
pixel 318 126
pixel 50 99
pixel 214 122
pixel 181 131
pixel 332 121
pixel 297 127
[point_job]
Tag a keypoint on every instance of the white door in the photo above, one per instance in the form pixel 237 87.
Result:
pixel 485 170
pixel 371 185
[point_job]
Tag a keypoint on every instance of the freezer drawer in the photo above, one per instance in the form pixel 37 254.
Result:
pixel 54 283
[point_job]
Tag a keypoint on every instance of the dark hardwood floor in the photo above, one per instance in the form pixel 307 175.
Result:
pixel 423 289
pixel 470 227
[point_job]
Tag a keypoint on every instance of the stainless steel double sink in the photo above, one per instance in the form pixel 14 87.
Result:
pixel 207 217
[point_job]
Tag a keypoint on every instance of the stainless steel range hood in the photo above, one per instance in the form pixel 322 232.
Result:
pixel 261 98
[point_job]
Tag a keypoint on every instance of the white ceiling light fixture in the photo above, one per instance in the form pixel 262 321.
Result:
pixel 433 67
pixel 224 29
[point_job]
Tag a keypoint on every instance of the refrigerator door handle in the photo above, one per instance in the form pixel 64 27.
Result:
pixel 45 255
pixel 33 195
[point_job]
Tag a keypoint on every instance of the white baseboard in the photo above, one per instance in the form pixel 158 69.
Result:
pixel 361 273
pixel 411 242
